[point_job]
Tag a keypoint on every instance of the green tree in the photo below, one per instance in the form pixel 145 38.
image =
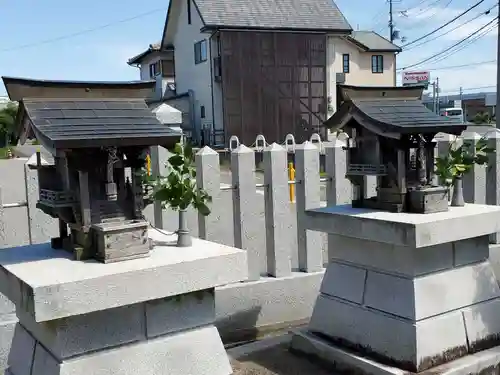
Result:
pixel 482 118
pixel 8 124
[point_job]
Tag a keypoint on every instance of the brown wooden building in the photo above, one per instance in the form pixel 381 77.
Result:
pixel 249 67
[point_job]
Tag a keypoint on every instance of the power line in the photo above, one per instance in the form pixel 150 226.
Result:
pixel 486 12
pixel 454 45
pixel 468 89
pixel 444 25
pixel 462 66
pixel 82 32
pixel 476 37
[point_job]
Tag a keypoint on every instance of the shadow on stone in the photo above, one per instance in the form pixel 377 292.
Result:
pixel 230 334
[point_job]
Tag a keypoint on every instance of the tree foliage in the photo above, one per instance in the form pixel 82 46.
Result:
pixel 8 123
pixel 482 118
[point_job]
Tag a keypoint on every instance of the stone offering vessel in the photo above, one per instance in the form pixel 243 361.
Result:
pixel 391 136
pixel 97 133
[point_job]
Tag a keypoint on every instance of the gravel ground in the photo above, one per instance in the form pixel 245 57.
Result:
pixel 277 361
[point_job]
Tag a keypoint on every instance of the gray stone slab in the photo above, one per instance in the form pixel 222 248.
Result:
pixel 482 323
pixel 391 294
pixel 400 260
pixel 83 333
pixel 344 282
pixel 401 341
pixel 454 289
pixel 49 284
pixel 484 362
pixel 7 327
pixel 21 354
pixel 174 314
pixel 469 251
pixel 198 351
pixel 406 229
pixel 269 303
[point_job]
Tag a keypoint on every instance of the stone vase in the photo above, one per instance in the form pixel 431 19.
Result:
pixel 183 237
pixel 457 198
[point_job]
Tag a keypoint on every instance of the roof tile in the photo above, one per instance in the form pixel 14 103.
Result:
pixel 277 14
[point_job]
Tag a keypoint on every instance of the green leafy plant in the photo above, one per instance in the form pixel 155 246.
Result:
pixel 7 124
pixel 178 189
pixel 482 118
pixel 460 159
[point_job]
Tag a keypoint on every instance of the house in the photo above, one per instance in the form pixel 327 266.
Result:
pixel 248 67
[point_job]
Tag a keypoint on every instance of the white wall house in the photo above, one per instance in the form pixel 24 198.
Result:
pixel 191 39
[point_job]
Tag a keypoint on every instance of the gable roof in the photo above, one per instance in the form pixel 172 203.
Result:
pixel 372 42
pixel 155 47
pixel 277 14
pixel 391 109
pixel 81 123
pixel 300 15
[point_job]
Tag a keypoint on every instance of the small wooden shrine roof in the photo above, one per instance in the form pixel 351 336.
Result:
pixel 86 123
pixel 389 110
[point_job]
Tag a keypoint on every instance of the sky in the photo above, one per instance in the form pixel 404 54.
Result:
pixel 92 39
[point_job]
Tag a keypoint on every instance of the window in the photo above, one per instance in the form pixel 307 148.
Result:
pixel 202 111
pixel 377 64
pixel 189 11
pixel 154 69
pixel 345 63
pixel 200 51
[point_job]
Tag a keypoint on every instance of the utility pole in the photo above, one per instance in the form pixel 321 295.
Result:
pixel 391 22
pixel 498 75
pixel 434 107
pixel 462 104
pixel 437 95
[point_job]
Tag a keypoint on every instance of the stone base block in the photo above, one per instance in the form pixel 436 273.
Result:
pixel 485 362
pixel 412 323
pixel 198 351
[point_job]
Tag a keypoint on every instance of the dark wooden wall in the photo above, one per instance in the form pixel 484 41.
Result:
pixel 271 82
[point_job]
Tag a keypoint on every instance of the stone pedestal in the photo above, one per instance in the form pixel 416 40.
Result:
pixel 406 292
pixel 151 315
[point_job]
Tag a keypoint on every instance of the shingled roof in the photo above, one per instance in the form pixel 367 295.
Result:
pixel 293 15
pixel 396 110
pixel 81 123
pixel 372 42
pixel 277 14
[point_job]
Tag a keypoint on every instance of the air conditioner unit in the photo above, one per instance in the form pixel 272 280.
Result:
pixel 340 78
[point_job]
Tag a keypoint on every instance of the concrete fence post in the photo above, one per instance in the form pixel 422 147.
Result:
pixel 208 178
pixel 443 142
pixel 156 171
pixel 307 177
pixel 493 177
pixel 277 212
pixel 475 180
pixel 338 187
pixel 3 235
pixel 244 208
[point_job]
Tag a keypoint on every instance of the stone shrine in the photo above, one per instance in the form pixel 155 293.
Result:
pixel 120 307
pixel 404 292
pixel 391 136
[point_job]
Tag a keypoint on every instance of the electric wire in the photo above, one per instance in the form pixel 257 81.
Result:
pixel 472 35
pixel 445 24
pixel 469 42
pixel 486 12
pixel 82 32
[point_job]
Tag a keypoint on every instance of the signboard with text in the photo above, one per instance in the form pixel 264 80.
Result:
pixel 416 78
